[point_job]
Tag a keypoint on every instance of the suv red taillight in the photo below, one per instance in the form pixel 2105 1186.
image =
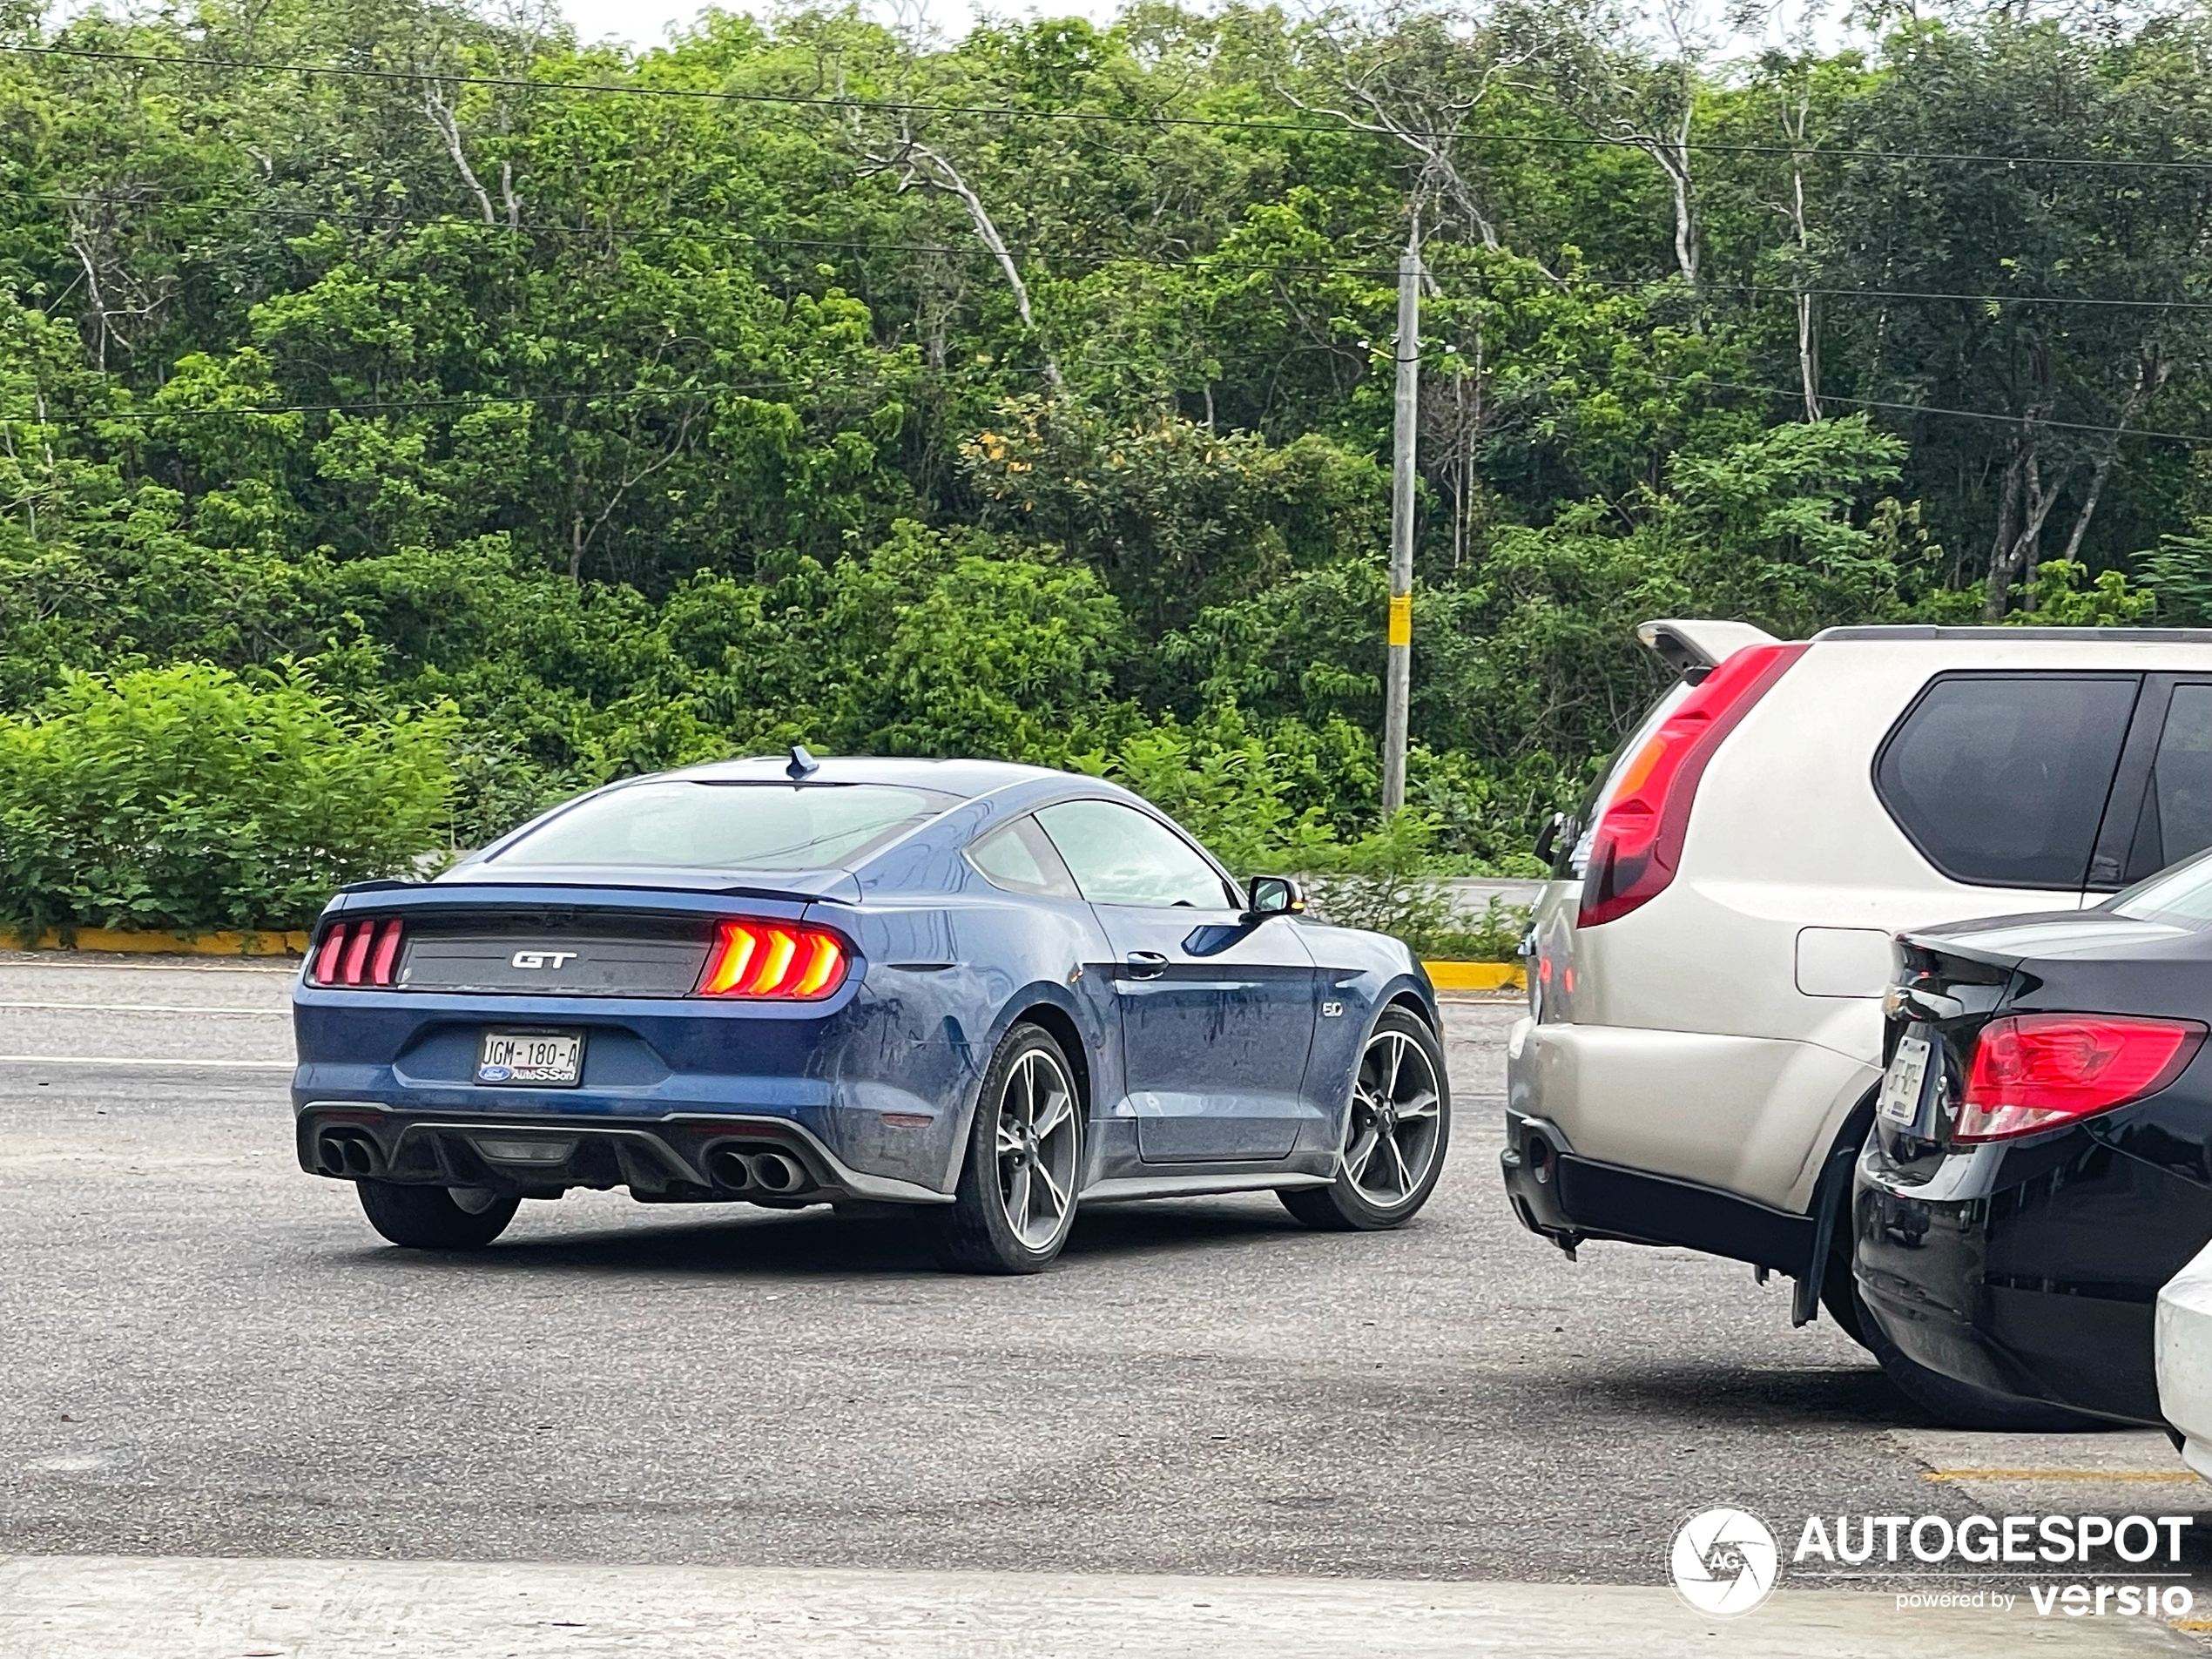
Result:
pixel 2036 1071
pixel 1639 837
pixel 778 960
pixel 364 954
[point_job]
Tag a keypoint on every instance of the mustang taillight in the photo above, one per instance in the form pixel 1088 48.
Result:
pixel 364 953
pixel 1638 843
pixel 2038 1071
pixel 776 961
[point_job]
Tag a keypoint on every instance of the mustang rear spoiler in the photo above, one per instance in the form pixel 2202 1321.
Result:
pixel 1688 644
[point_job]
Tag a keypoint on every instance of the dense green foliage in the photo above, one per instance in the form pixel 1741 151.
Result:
pixel 635 429
pixel 187 798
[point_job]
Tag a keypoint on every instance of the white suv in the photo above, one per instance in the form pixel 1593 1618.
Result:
pixel 1706 967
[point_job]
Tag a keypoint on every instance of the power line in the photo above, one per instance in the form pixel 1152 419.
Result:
pixel 678 233
pixel 514 82
pixel 1968 298
pixel 1930 408
pixel 1196 261
pixel 481 401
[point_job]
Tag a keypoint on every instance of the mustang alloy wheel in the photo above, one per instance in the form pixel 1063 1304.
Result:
pixel 1017 1198
pixel 1397 1126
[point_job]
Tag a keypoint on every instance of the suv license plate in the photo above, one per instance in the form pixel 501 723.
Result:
pixel 532 1059
pixel 1903 1084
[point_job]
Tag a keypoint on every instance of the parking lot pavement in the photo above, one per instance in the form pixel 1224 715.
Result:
pixel 211 1355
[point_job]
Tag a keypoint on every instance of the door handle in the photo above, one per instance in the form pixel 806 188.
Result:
pixel 1146 964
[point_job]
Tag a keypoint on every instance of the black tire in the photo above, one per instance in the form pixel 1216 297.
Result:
pixel 431 1218
pixel 1839 1292
pixel 1347 1204
pixel 1959 1405
pixel 1029 1081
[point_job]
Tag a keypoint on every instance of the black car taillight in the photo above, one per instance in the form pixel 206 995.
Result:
pixel 364 954
pixel 2037 1071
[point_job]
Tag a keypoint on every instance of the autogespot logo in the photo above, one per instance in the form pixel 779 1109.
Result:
pixel 1725 1561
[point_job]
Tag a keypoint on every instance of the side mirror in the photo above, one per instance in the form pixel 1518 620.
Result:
pixel 1274 895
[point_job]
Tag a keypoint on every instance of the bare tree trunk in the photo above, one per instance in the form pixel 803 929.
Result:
pixel 441 118
pixel 2151 374
pixel 918 163
pixel 1808 327
pixel 2028 555
pixel 1676 167
pixel 2000 548
pixel 1809 356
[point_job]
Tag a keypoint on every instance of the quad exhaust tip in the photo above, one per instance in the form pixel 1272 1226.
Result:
pixel 772 1172
pixel 350 1156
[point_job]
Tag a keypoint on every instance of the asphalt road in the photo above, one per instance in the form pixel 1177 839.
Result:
pixel 207 1353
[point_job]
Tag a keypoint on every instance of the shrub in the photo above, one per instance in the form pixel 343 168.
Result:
pixel 187 798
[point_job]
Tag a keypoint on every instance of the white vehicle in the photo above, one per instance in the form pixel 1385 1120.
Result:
pixel 1707 966
pixel 2185 1360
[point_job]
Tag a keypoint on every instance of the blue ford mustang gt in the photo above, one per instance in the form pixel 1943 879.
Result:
pixel 996 990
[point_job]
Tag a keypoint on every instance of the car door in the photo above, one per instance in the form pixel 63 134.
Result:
pixel 1217 1012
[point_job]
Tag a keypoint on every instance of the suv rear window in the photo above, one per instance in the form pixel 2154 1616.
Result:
pixel 2001 779
pixel 695 824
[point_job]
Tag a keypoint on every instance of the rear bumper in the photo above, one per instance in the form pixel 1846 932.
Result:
pixel 1569 1199
pixel 667 1159
pixel 2030 1269
pixel 847 1078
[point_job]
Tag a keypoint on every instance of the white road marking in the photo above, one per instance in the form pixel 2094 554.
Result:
pixel 274 1011
pixel 144 1060
pixel 71 962
pixel 127 1607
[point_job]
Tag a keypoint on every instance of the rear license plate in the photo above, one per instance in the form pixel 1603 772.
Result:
pixel 1905 1082
pixel 532 1059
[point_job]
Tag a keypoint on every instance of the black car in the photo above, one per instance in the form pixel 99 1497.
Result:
pixel 2042 1158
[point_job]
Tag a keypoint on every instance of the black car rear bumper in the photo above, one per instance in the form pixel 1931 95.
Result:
pixel 2030 1267
pixel 1569 1198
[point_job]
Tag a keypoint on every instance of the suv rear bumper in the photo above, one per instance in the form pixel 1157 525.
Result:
pixel 1568 1198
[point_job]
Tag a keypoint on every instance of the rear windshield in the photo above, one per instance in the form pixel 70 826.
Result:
pixel 693 824
pixel 2181 895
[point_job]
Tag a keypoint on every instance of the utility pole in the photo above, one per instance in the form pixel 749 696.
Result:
pixel 1396 687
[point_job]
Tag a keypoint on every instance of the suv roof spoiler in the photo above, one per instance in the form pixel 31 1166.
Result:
pixel 1684 643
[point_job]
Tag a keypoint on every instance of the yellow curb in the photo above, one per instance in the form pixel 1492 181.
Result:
pixel 2153 1477
pixel 220 944
pixel 1475 976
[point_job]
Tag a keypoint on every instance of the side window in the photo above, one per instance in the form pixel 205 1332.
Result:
pixel 1119 855
pixel 2001 779
pixel 1019 859
pixel 2177 819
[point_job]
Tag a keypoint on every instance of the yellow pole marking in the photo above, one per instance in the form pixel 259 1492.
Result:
pixel 1402 619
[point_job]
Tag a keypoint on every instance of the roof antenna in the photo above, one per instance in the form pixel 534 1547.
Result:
pixel 802 763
